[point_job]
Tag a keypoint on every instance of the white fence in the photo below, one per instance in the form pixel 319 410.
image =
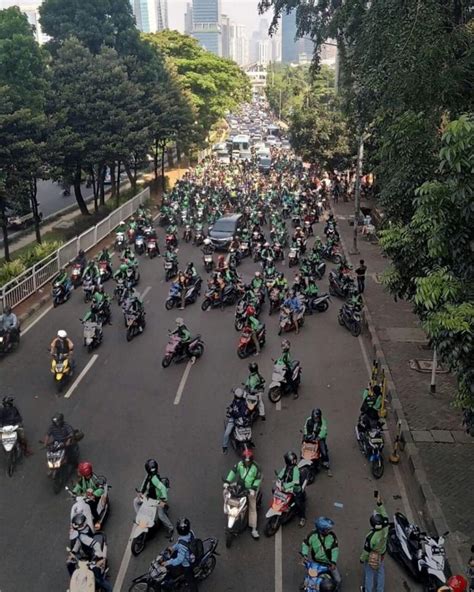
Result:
pixel 31 280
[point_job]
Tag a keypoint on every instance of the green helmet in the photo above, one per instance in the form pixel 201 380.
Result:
pixel 123 267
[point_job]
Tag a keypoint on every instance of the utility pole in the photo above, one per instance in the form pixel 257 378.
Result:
pixel 433 372
pixel 360 157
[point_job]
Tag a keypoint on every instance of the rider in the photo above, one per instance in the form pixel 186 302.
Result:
pixel 92 270
pixel 370 408
pixel 267 253
pixel 255 325
pixel 135 306
pixel 236 410
pixel 182 283
pixel 316 428
pixel 183 333
pixel 290 478
pixel 285 359
pixel 293 307
pixel 182 557
pixel 104 255
pixel 191 273
pixel 248 473
pixel 62 432
pixel 83 543
pixel 257 282
pixel 154 488
pixel 375 546
pixel 11 416
pixel 81 260
pixel 90 486
pixel 281 282
pixel 121 273
pixel 322 547
pixel 63 280
pixel 256 384
pixel 61 344
pixel 9 323
pixel 208 248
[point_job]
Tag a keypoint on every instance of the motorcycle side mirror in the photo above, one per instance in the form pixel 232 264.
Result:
pixel 68 549
pixel 445 534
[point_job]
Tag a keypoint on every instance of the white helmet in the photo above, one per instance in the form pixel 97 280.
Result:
pixel 62 334
pixel 179 321
pixel 121 222
pixel 207 241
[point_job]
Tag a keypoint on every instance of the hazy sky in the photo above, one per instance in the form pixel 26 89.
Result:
pixel 243 12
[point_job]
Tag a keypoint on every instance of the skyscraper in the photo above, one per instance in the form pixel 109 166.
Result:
pixel 207 24
pixel 151 15
pixel 291 47
pixel 32 14
pixel 225 28
pixel 188 19
pixel 141 10
pixel 161 15
pixel 238 44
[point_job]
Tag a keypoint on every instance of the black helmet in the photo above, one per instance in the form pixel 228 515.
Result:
pixel 58 420
pixel 253 367
pixel 7 401
pixel 327 585
pixel 79 521
pixel 316 414
pixel 290 458
pixel 377 390
pixel 151 466
pixel 81 252
pixel 183 526
pixel 377 521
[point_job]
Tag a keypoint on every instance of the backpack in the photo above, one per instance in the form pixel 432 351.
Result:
pixel 195 548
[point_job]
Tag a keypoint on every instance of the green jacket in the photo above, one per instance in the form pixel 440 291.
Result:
pixel 285 358
pixel 84 484
pixel 254 323
pixel 323 548
pixel 323 431
pixel 161 492
pixel 291 484
pixel 251 476
pixel 375 402
pixel 376 540
pixel 255 382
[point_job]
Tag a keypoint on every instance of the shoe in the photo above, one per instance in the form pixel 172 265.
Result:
pixel 329 472
pixel 224 450
pixel 263 418
pixel 295 395
pixel 302 522
pixel 255 534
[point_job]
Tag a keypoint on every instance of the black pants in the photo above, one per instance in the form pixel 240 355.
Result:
pixel 300 502
pixel 361 283
pixel 175 571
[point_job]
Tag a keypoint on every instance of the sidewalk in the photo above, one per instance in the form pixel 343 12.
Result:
pixel 439 452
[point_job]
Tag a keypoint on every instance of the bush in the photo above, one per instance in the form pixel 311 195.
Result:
pixel 8 271
pixel 39 252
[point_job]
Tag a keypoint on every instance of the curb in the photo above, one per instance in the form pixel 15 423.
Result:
pixel 433 511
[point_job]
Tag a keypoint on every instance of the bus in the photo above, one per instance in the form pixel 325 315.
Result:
pixel 241 143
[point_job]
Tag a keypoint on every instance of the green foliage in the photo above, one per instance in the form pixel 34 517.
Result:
pixel 11 270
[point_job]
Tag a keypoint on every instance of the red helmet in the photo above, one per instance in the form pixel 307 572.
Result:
pixel 85 469
pixel 250 310
pixel 247 454
pixel 457 584
pixel 221 259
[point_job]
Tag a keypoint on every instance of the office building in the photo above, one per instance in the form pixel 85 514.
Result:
pixel 238 44
pixel 161 15
pixel 141 10
pixel 225 29
pixel 151 15
pixel 33 16
pixel 291 46
pixel 207 24
pixel 264 52
pixel 188 19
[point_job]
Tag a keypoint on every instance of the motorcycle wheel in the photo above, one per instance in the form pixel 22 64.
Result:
pixel 322 306
pixel 169 303
pixel 166 361
pixel 336 259
pixel 206 304
pixel 272 525
pixel 138 544
pixel 11 461
pixel 168 275
pixel 274 394
pixel 239 325
pixel 340 319
pixel 142 586
pixel 355 329
pixel 90 347
pixel 377 468
pixel 58 480
pixel 130 333
pixel 198 350
pixel 242 353
pixel 207 567
pixel 229 539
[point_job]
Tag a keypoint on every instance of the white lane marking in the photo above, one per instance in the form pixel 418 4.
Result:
pixel 122 572
pixel 145 292
pixel 278 405
pixel 278 561
pixel 85 370
pixel 401 485
pixel 38 318
pixel 182 384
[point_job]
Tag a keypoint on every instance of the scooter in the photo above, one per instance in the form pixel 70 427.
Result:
pixel 7 342
pixel 194 349
pixel 208 262
pixel 81 505
pixel 241 436
pixel 319 303
pixel 152 247
pixel 338 287
pixel 61 461
pixel 88 286
pixel 423 556
pixel 282 508
pixel 316 573
pixel 61 293
pixel 105 271
pixel 133 325
pixel 119 241
pixel 310 463
pixel 212 300
pixel 332 253
pixel 371 443
pixel 350 318
pixel 11 447
pixel 171 268
pixel 280 385
pixel 83 578
pixel 286 321
pixel 293 256
pixel 187 234
pixel 274 299
pixel 76 275
pixel 93 335
pixel 246 345
pixel 146 521
pixel 244 249
pixel 62 370
pixel 157 577
pixel 174 296
pixel 236 509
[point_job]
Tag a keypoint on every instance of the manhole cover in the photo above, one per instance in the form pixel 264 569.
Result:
pixel 426 366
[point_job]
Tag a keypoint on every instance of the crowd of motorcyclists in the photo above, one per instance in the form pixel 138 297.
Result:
pixel 278 212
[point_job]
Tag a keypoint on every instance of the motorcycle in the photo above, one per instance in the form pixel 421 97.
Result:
pixel 171 268
pixel 332 253
pixel 287 323
pixel 350 318
pixel 198 238
pixel 194 349
pixel 93 335
pixel 60 293
pixel 293 256
pixel 319 303
pixel 133 324
pixel 83 577
pixel 241 436
pixel 7 343
pixel 244 249
pixel 120 290
pixel 234 258
pixel 240 315
pixel 171 240
pixel 157 578
pixel 139 244
pixel 82 503
pixel 308 229
pixel 316 573
pixel 212 300
pixel 340 287
pixel 105 271
pixel 174 296
pixel 277 249
pixel 76 275
pixel 246 346
pixel 11 447
pixel 146 521
pixel 187 234
pixel 281 383
pixel 319 269
pixel 152 247
pixel 370 438
pixel 208 262
pixel 88 286
pixel 119 241
pixel 310 463
pixel 282 508
pixel 236 509
pixel 422 555
pixel 62 370
pixel 131 236
pixel 62 463
pixel 275 300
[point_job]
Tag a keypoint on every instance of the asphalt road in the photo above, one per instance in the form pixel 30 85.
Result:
pixel 125 404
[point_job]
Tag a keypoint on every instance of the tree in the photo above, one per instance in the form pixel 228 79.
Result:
pixel 433 258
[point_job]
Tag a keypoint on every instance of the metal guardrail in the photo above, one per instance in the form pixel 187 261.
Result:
pixel 32 279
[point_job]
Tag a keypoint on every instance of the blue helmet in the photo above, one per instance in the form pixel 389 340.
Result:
pixel 323 524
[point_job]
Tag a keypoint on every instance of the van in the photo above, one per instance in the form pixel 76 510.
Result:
pixel 224 229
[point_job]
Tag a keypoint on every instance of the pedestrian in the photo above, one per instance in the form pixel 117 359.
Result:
pixel 360 271
pixel 375 546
